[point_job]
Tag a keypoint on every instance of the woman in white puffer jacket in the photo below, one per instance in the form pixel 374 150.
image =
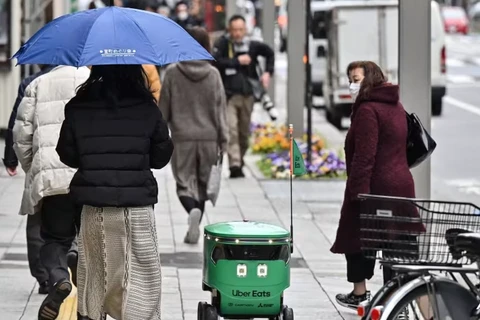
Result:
pixel 35 134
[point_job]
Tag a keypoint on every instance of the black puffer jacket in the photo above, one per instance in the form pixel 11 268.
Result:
pixel 114 149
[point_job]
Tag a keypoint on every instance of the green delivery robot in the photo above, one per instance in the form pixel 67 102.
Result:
pixel 246 267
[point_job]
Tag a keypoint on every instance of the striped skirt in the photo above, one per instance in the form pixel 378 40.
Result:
pixel 118 264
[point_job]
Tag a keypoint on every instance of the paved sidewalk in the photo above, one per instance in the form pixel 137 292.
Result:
pixel 317 275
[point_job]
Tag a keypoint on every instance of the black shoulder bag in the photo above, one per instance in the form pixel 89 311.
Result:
pixel 420 144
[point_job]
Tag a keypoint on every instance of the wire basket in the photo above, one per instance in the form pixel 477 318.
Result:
pixel 413 231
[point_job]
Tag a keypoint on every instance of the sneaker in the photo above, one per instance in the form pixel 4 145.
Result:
pixel 350 300
pixel 50 307
pixel 72 261
pixel 193 233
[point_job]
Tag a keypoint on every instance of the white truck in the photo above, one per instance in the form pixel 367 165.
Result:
pixel 368 30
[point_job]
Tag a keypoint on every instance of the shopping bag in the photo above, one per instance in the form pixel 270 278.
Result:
pixel 420 144
pixel 215 179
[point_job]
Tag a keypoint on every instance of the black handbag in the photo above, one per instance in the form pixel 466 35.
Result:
pixel 420 144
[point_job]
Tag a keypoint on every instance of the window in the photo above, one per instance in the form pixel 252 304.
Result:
pixel 5 28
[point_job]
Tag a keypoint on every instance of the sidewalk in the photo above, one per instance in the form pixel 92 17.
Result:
pixel 317 275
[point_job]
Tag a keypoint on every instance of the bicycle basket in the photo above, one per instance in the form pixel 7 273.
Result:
pixel 415 231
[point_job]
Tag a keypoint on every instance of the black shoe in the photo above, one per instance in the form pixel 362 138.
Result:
pixel 43 287
pixel 50 307
pixel 350 300
pixel 72 261
pixel 80 317
pixel 236 172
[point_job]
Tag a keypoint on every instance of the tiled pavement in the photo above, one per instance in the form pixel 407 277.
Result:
pixel 317 275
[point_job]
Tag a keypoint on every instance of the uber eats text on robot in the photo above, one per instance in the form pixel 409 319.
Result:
pixel 246 264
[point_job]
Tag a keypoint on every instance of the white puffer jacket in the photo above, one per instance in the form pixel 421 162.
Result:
pixel 36 131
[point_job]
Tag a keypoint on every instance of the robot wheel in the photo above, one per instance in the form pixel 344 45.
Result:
pixel 286 314
pixel 206 311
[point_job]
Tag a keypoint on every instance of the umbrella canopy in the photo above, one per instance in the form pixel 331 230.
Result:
pixel 108 36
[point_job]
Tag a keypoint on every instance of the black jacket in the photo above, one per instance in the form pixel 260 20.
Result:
pixel 10 159
pixel 114 149
pixel 234 75
pixel 188 23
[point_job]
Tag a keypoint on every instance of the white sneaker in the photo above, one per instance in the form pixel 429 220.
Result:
pixel 193 233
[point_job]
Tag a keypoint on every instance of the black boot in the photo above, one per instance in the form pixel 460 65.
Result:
pixel 50 307
pixel 43 287
pixel 80 317
pixel 236 172
pixel 72 261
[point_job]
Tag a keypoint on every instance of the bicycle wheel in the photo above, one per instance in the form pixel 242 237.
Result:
pixel 452 301
pixel 382 295
pixel 414 306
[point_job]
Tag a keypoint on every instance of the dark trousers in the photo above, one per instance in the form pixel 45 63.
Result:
pixel 360 268
pixel 60 220
pixel 34 244
pixel 189 203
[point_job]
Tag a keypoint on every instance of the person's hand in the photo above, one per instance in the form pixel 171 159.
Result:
pixel 12 171
pixel 244 59
pixel 265 79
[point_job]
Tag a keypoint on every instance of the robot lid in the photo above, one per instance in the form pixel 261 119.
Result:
pixel 246 230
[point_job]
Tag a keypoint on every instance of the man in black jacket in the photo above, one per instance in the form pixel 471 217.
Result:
pixel 236 59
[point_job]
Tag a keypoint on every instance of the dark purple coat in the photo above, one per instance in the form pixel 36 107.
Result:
pixel 376 159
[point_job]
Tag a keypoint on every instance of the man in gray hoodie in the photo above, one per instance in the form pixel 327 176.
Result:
pixel 193 102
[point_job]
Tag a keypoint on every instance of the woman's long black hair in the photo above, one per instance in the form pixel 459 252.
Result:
pixel 115 83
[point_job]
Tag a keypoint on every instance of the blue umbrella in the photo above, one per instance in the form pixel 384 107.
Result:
pixel 110 35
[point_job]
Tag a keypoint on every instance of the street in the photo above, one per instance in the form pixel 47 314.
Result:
pixel 456 160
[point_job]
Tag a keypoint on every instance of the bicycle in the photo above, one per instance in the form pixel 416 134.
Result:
pixel 412 253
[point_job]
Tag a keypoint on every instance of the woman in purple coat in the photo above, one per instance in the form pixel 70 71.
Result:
pixel 375 149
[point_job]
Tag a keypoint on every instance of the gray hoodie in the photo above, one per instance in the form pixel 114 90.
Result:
pixel 193 102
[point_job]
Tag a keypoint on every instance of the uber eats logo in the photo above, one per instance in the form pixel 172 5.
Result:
pixel 251 294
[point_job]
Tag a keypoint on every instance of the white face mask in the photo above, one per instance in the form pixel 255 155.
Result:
pixel 354 89
pixel 182 15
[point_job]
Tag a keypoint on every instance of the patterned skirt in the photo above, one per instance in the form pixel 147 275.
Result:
pixel 119 264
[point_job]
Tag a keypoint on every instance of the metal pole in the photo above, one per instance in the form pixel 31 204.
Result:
pixel 415 73
pixel 268 34
pixel 296 67
pixel 415 84
pixel 308 79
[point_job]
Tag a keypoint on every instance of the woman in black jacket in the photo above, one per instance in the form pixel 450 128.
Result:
pixel 114 134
